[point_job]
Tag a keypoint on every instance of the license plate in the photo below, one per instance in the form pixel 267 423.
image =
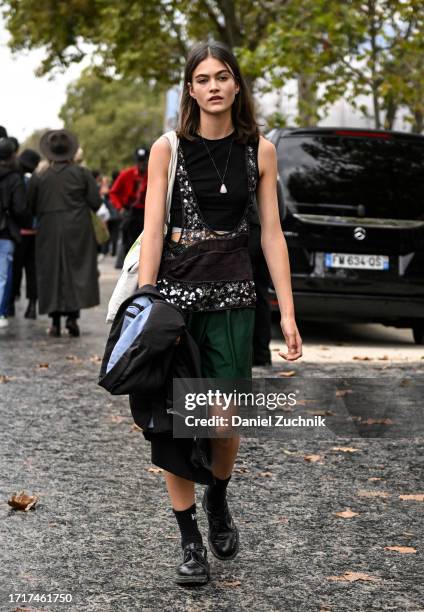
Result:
pixel 355 261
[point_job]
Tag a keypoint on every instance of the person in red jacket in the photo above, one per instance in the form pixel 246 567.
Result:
pixel 128 194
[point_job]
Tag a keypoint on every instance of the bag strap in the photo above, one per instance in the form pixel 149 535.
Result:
pixel 131 260
pixel 172 138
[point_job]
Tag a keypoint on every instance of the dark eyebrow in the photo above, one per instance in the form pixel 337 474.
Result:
pixel 206 75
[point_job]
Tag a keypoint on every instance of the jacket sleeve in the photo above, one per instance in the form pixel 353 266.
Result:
pixel 117 191
pixel 19 208
pixel 94 199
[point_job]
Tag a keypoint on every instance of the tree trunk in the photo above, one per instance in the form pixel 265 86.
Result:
pixel 307 101
pixel 391 111
pixel 418 125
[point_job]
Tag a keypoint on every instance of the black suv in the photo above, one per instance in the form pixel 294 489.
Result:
pixel 352 210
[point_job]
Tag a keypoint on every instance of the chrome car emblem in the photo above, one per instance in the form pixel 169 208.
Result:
pixel 359 233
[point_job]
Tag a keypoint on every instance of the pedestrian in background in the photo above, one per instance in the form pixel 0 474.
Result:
pixel 13 216
pixel 128 194
pixel 66 250
pixel 24 257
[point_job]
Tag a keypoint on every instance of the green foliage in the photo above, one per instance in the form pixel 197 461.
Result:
pixel 335 49
pixel 112 118
pixel 33 141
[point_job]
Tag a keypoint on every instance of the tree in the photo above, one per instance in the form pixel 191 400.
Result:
pixel 112 118
pixel 143 39
pixel 334 49
pixel 33 141
pixel 360 48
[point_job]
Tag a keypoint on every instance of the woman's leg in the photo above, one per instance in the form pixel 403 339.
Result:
pixel 195 567
pixel 180 490
pixel 224 453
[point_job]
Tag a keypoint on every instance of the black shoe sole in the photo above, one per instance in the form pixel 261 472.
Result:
pixel 212 547
pixel 194 580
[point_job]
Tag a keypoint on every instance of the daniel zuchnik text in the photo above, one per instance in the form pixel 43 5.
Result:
pixel 258 421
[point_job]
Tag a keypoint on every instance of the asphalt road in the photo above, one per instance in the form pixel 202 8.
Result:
pixel 103 530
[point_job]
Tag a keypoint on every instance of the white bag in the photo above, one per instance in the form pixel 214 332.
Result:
pixel 128 281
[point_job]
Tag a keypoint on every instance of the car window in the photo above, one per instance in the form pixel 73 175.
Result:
pixel 353 176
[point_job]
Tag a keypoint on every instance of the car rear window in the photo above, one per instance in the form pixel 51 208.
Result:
pixel 353 176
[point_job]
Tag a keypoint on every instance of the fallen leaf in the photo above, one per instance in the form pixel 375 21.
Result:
pixel 266 474
pixel 348 513
pixel 362 358
pixel 324 348
pixel 404 550
pixel 412 497
pixel 155 470
pixel 229 583
pixel 95 359
pixel 22 501
pixel 372 478
pixel 288 373
pixel 345 449
pixel 353 577
pixel 241 470
pixel 117 418
pixel 363 493
pixel 312 458
pixel 135 427
pixel 343 392
pixel 385 421
pixel 73 358
pixel 282 519
pixel 287 452
pixel 384 358
pixel 43 365
pixel 5 379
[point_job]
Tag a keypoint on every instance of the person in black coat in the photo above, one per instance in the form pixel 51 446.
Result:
pixel 13 216
pixel 24 258
pixel 62 197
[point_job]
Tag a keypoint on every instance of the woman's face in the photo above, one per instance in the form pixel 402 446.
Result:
pixel 213 86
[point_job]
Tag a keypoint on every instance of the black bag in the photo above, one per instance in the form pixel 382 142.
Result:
pixel 141 343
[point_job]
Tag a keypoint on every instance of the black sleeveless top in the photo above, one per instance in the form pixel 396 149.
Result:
pixel 207 270
pixel 221 211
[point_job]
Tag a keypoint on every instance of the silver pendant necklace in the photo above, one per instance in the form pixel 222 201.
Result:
pixel 223 188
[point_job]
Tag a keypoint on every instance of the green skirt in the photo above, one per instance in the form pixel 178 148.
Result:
pixel 225 340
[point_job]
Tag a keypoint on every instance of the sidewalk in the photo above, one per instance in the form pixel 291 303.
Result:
pixel 103 529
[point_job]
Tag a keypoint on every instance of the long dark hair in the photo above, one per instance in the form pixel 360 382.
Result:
pixel 242 111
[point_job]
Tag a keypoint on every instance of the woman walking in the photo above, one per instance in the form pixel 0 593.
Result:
pixel 203 266
pixel 61 197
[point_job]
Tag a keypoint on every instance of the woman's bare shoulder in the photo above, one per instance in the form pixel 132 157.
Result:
pixel 160 154
pixel 266 147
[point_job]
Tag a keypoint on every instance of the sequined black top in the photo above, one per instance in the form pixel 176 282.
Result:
pixel 207 270
pixel 221 211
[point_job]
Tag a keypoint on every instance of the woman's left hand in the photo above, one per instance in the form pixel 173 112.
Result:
pixel 292 338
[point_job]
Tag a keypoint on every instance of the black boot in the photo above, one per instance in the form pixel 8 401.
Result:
pixel 72 327
pixel 195 567
pixel 31 311
pixel 223 535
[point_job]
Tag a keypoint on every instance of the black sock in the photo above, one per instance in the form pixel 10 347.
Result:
pixel 216 493
pixel 187 522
